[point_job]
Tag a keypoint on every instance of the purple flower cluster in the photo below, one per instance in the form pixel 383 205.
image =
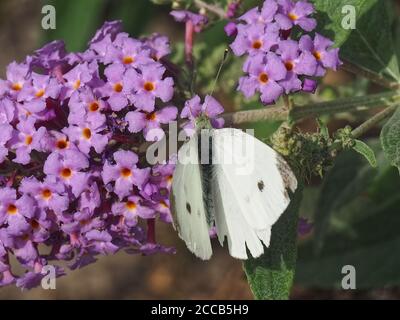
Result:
pixel 276 64
pixel 73 179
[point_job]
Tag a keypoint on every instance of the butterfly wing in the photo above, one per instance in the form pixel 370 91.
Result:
pixel 249 190
pixel 187 201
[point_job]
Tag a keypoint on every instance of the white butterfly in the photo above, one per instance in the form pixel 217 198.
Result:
pixel 242 192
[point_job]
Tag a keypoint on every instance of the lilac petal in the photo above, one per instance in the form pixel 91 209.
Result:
pixel 330 59
pixel 136 121
pixel 291 83
pixel 140 176
pixel 306 43
pixel 239 45
pixel 218 123
pixel 117 102
pixel 144 101
pixel 251 16
pixel 192 108
pixel 303 8
pixel 321 43
pixel 164 89
pixel 269 10
pixel 275 68
pixel 284 22
pixel 167 114
pixel 109 173
pixel 59 203
pixel 289 50
pixel 126 159
pixel 248 86
pixel 270 92
pixel 76 160
pixel 78 183
pixel 310 85
pixel 212 107
pixel 22 155
pixel 53 164
pixel 27 252
pixel 307 24
pixel 99 142
pixel 26 206
pixel 306 65
pixel 123 187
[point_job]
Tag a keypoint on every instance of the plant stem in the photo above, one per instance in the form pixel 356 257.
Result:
pixel 346 104
pixel 280 113
pixel 189 33
pixel 212 8
pixel 374 77
pixel 240 117
pixel 370 123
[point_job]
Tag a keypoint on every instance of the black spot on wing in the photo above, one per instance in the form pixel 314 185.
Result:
pixel 260 185
pixel 188 208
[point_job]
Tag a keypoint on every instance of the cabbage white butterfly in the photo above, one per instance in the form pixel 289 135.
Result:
pixel 242 200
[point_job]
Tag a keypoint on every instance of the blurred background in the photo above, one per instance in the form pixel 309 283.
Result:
pixel 362 231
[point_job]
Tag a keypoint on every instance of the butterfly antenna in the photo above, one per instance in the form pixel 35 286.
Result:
pixel 219 71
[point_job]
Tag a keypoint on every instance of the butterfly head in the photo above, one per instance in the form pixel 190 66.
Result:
pixel 203 122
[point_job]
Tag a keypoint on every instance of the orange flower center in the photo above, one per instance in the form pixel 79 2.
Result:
pixel 35 224
pixel 289 65
pixel 46 194
pixel 77 84
pixel 94 106
pixel 151 116
pixel 16 86
pixel 118 87
pixel 163 204
pixel 86 133
pixel 25 237
pixel 62 144
pixel 317 55
pixel 149 86
pixel 28 140
pixel 84 222
pixel 12 209
pixel 263 78
pixel 126 173
pixel 66 173
pixel 130 205
pixel 39 94
pixel 257 44
pixel 169 178
pixel 128 60
pixel 292 16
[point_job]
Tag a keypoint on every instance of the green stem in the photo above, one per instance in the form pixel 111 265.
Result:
pixel 370 123
pixel 210 7
pixel 346 104
pixel 374 77
pixel 280 113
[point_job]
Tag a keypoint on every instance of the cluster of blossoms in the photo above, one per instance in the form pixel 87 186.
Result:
pixel 276 64
pixel 74 183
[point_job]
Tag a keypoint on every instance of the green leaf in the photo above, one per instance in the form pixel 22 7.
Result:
pixel 370 244
pixel 271 275
pixel 344 181
pixel 363 232
pixel 323 129
pixel 369 154
pixel 390 139
pixel 76 22
pixel 370 45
